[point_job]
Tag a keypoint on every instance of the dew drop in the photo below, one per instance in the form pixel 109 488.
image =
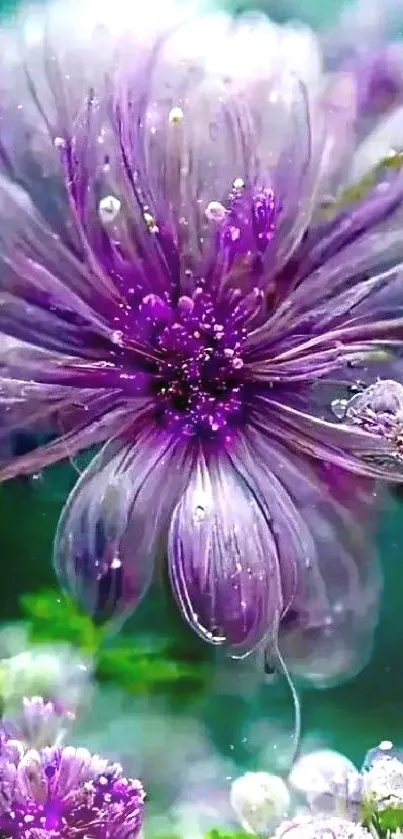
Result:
pixel 215 211
pixel 199 514
pixel 339 407
pixel 237 363
pixel 175 115
pixel 109 209
pixel 59 143
pixel 116 336
pixel 150 222
pixel 115 564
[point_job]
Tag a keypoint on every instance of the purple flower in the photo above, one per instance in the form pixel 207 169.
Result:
pixel 183 302
pixel 39 723
pixel 364 41
pixel 330 827
pixel 65 793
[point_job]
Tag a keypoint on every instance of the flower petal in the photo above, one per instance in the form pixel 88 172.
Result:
pixel 307 520
pixel 347 446
pixel 79 403
pixel 326 651
pixel 375 210
pixel 223 559
pixel 327 633
pixel 376 147
pixel 50 60
pixel 77 425
pixel 199 102
pixel 58 143
pixel 356 286
pixel 109 532
pixel 346 275
pixel 48 296
pixel 25 363
pixel 339 104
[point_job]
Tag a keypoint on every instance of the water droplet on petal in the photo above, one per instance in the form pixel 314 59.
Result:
pixel 150 222
pixel 237 363
pixel 109 209
pixel 199 514
pixel 175 115
pixel 339 407
pixel 215 211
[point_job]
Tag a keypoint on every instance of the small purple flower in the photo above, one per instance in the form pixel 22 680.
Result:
pixel 65 793
pixel 363 42
pixel 181 301
pixel 381 80
pixel 39 723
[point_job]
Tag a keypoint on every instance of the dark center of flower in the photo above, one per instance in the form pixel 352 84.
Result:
pixel 194 347
pixel 198 378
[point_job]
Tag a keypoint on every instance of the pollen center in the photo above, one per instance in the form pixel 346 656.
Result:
pixel 198 382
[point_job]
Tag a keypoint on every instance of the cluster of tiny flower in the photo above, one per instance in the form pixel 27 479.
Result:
pixel 328 798
pixel 60 792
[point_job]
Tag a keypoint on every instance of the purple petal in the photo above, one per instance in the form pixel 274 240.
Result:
pixel 35 367
pixel 358 286
pixel 324 650
pixel 339 105
pixel 223 559
pixel 110 529
pixel 347 446
pixel 260 464
pixel 326 634
pixel 307 520
pixel 47 295
pixel 145 151
pixel 331 237
pixel 79 425
pixel 206 131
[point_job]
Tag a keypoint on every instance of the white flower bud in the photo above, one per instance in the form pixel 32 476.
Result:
pixel 329 782
pixel 259 800
pixel 384 782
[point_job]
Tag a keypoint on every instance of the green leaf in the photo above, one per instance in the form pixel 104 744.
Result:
pixel 357 192
pixel 53 617
pixel 390 819
pixel 140 664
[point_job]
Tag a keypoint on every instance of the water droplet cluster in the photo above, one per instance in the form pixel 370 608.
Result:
pixel 377 410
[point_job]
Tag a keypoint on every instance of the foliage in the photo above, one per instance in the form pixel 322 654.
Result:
pixel 360 190
pixel 385 823
pixel 140 664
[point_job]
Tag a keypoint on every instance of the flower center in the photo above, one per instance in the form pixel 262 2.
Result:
pixel 198 379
